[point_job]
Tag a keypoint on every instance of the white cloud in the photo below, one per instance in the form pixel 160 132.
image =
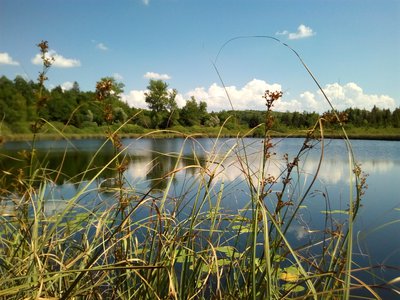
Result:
pixel 59 60
pixel 146 2
pixel 247 97
pixel 250 97
pixel 66 86
pixel 302 32
pixel 117 76
pixel 180 99
pixel 6 59
pixel 156 76
pixel 101 46
pixel 352 95
pixel 342 97
pixel 135 98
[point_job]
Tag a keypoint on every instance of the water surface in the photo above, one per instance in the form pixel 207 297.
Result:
pixel 377 241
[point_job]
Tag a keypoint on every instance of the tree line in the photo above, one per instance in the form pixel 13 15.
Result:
pixel 18 107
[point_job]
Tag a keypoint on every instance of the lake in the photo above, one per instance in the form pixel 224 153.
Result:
pixel 149 162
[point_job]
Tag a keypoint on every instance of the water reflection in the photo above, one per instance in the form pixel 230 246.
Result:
pixel 150 162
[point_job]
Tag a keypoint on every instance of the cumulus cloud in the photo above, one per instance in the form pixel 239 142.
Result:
pixel 302 32
pixel 135 98
pixel 156 76
pixel 59 60
pixel 250 95
pixel 342 97
pixel 101 46
pixel 66 86
pixel 6 59
pixel 352 95
pixel 247 97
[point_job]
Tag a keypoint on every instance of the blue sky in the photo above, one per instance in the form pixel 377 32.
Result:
pixel 352 47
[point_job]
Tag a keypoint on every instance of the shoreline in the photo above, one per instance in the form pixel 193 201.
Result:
pixel 175 134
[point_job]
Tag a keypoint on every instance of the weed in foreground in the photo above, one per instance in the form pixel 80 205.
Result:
pixel 159 244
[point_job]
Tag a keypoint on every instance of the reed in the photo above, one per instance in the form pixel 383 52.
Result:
pixel 160 244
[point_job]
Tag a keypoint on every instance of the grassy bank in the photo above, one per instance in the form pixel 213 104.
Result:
pixel 58 131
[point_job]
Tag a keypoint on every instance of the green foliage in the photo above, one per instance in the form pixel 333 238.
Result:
pixel 18 104
pixel 193 113
pixel 162 103
pixel 163 242
pixel 12 102
pixel 396 118
pixel 158 96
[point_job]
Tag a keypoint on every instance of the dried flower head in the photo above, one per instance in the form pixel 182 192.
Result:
pixel 271 97
pixel 335 118
pixel 104 89
pixel 44 46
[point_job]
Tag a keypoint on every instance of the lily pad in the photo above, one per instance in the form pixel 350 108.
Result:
pixel 243 229
pixel 228 250
pixel 290 274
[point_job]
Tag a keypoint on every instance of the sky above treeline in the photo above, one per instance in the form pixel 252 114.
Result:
pixel 198 47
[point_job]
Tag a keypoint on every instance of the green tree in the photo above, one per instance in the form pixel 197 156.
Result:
pixel 193 113
pixel 162 103
pixel 212 121
pixel 12 102
pixel 396 118
pixel 27 90
pixel 60 105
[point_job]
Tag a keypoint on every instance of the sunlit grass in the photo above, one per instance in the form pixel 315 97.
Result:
pixel 161 244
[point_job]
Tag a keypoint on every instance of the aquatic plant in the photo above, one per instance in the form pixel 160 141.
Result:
pixel 160 244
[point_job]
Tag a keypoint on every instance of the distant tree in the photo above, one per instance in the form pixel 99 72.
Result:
pixel 12 102
pixel 75 87
pixel 229 119
pixel 212 121
pixel 253 118
pixel 193 113
pixel 204 116
pixel 162 103
pixel 27 90
pixel 60 105
pixel 296 119
pixel 158 96
pixel 188 114
pixel 119 115
pixel 396 118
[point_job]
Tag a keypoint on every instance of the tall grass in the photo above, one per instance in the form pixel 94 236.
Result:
pixel 160 244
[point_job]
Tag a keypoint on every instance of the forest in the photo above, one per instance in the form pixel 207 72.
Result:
pixel 87 111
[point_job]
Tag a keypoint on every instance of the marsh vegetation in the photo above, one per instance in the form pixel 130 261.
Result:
pixel 112 237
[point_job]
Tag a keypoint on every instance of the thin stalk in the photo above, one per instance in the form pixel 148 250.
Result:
pixel 349 249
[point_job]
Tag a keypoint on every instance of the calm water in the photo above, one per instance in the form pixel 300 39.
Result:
pixel 377 241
